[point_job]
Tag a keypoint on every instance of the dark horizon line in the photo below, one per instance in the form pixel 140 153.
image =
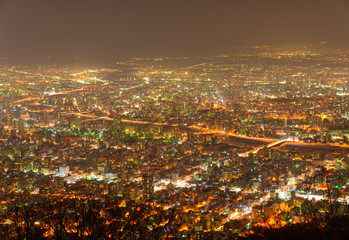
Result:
pixel 114 56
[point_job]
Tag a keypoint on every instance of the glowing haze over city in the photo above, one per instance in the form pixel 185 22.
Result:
pixel 174 119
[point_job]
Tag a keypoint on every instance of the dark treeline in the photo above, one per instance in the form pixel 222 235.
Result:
pixel 115 218
pixel 86 219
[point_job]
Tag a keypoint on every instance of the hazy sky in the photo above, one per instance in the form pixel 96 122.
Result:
pixel 136 27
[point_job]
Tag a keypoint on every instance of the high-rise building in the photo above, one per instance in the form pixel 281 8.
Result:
pixel 45 117
pixel 21 126
pixel 63 171
pixel 174 177
pixel 148 188
pixel 17 112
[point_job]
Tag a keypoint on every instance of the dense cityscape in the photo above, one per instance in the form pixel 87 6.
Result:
pixel 199 147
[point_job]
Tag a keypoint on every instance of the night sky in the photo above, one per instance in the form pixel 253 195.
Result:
pixel 147 27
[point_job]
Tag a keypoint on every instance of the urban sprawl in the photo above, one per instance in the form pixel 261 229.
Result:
pixel 179 147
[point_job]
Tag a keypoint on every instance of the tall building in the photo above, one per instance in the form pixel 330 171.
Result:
pixel 148 188
pixel 63 171
pixel 2 132
pixel 21 126
pixel 45 117
pixel 17 112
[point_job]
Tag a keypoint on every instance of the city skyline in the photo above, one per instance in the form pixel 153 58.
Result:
pixel 217 147
pixel 174 119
